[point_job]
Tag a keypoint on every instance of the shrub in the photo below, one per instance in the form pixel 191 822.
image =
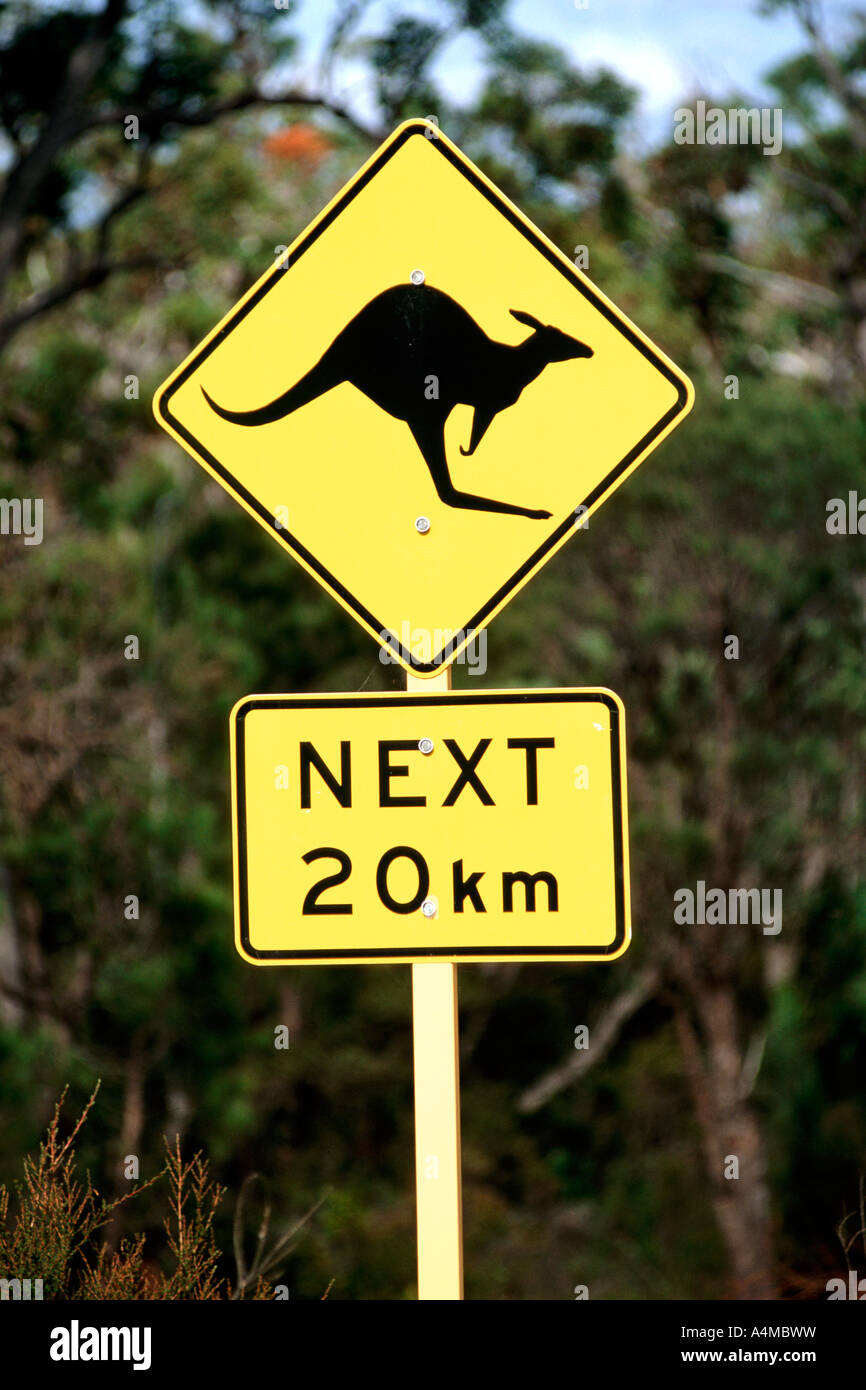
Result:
pixel 49 1228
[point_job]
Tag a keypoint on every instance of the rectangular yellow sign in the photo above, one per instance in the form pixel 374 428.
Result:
pixel 454 825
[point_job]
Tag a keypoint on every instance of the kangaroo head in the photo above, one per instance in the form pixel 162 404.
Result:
pixel 552 343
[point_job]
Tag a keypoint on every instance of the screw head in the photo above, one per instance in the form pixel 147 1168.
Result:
pixel 425 745
pixel 422 525
pixel 417 277
pixel 430 907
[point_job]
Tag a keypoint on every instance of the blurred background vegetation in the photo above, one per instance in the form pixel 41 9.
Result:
pixel 116 255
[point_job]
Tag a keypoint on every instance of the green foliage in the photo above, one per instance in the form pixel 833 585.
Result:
pixel 560 119
pixel 400 59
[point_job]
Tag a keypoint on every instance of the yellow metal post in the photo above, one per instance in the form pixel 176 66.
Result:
pixel 437 1112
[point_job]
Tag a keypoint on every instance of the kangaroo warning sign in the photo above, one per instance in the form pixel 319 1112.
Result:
pixel 408 827
pixel 422 398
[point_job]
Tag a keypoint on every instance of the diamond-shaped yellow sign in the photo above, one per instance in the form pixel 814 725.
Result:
pixel 423 398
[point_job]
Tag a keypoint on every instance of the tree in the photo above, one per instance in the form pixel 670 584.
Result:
pixel 92 103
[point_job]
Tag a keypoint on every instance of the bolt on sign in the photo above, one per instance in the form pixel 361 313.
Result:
pixel 481 826
pixel 422 399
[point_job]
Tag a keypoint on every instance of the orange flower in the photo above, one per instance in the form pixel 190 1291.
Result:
pixel 302 144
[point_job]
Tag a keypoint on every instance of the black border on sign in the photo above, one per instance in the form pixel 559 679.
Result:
pixel 302 702
pixel 479 619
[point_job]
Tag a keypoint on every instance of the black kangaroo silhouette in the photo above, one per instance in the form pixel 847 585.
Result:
pixel 391 349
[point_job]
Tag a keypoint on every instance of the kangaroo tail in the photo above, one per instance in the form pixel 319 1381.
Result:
pixel 314 384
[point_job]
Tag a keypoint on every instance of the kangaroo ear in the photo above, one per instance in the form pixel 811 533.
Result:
pixel 528 319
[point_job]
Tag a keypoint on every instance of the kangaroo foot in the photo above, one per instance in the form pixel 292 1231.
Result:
pixel 469 502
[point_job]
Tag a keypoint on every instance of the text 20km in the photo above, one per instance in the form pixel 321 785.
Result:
pixel 465 887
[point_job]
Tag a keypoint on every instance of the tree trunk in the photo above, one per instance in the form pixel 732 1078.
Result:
pixel 730 1130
